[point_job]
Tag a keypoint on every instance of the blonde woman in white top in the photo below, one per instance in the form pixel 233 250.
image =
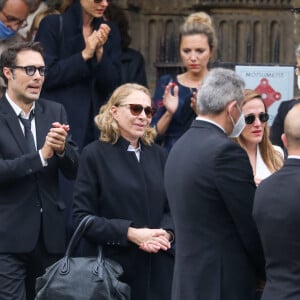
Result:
pixel 264 157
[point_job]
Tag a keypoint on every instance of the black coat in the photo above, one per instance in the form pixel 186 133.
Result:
pixel 82 87
pixel 26 186
pixel 133 67
pixel 210 188
pixel 123 192
pixel 276 212
pixel 277 125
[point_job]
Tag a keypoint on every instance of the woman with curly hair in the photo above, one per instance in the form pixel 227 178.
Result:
pixel 120 180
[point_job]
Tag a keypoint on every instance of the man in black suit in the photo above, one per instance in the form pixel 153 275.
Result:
pixel 32 221
pixel 277 125
pixel 277 215
pixel 210 187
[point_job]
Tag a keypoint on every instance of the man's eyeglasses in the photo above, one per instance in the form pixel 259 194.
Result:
pixel 136 109
pixel 30 70
pixel 297 70
pixel 263 117
pixel 14 21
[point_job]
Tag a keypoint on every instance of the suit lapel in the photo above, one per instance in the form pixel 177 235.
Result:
pixel 13 123
pixel 42 124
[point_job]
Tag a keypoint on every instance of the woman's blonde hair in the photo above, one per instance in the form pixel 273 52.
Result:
pixel 108 126
pixel 272 158
pixel 199 23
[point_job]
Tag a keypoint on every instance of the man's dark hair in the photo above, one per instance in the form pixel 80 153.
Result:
pixel 9 55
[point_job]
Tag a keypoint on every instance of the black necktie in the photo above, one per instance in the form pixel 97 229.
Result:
pixel 28 133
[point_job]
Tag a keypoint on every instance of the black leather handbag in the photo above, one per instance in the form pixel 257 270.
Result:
pixel 82 278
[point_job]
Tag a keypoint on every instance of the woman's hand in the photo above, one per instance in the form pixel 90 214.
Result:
pixel 95 41
pixel 171 101
pixel 149 240
pixel 102 35
pixel 194 102
pixel 91 43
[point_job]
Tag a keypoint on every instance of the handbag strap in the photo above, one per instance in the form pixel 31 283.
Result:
pixel 77 235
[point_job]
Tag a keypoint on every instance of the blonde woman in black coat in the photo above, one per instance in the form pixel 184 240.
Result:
pixel 120 180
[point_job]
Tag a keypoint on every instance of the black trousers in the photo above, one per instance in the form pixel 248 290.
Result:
pixel 18 272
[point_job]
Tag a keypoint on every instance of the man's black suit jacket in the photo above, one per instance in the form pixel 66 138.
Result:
pixel 277 126
pixel 26 186
pixel 210 188
pixel 277 215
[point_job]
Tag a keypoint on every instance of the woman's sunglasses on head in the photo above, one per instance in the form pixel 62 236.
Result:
pixel 263 117
pixel 136 109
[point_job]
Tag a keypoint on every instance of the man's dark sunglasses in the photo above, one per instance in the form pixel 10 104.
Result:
pixel 263 117
pixel 30 70
pixel 136 109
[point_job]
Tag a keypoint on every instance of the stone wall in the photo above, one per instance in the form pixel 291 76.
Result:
pixel 249 31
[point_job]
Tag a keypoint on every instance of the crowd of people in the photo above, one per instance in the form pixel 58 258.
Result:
pixel 191 193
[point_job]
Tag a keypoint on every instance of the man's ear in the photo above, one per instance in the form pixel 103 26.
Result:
pixel 230 106
pixel 284 140
pixel 7 72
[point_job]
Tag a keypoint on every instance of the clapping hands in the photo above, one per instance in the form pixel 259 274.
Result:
pixel 94 43
pixel 55 140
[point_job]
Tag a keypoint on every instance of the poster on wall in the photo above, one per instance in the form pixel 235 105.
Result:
pixel 274 83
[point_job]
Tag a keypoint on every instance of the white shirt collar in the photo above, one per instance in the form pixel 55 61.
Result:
pixel 17 109
pixel 294 156
pixel 137 150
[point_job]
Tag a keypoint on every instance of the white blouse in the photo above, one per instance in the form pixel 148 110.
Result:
pixel 262 170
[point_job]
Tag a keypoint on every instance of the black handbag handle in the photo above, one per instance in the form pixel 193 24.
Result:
pixel 77 235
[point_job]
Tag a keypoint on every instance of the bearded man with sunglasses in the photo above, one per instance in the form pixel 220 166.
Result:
pixel 210 188
pixel 34 146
